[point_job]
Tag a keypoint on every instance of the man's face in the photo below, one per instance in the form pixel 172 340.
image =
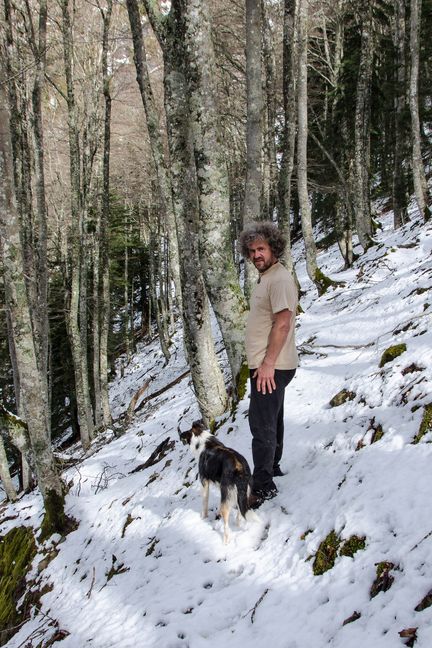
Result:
pixel 261 255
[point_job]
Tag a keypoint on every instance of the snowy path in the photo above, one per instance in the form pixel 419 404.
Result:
pixel 144 570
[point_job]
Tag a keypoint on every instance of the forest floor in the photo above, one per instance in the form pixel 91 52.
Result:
pixel 341 557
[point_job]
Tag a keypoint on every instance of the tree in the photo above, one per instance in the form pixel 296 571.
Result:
pixel 33 394
pixel 206 375
pixel 361 178
pixel 420 184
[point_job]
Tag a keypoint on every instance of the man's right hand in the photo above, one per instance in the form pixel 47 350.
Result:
pixel 265 377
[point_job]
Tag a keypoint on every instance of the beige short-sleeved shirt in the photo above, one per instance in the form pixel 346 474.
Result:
pixel 276 291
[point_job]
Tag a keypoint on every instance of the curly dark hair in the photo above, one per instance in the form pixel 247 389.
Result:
pixel 262 231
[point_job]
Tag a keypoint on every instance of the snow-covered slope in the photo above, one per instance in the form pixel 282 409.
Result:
pixel 144 570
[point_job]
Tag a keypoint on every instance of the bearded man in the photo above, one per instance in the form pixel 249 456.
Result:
pixel 271 352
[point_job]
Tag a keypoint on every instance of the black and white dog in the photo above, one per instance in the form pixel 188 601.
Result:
pixel 224 467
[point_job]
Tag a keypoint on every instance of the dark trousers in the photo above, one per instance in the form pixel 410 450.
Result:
pixel 266 415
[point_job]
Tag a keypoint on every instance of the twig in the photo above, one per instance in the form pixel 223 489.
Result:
pixel 254 609
pixel 92 583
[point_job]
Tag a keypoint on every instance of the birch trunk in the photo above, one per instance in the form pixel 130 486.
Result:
pixel 362 132
pixel 32 392
pixel 419 177
pixel 212 176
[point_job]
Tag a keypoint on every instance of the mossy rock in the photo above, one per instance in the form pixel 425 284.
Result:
pixel 342 397
pixel 350 546
pixel 425 425
pixel 17 550
pixel 391 353
pixel 326 555
pixel 384 579
pixel 377 434
pixel 425 603
pixel 333 546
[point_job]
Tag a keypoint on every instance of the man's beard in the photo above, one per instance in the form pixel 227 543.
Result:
pixel 265 266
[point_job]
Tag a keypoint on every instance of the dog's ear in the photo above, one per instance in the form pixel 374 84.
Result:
pixel 186 437
pixel 198 427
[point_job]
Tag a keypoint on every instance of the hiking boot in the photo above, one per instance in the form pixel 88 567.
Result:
pixel 259 497
pixel 277 472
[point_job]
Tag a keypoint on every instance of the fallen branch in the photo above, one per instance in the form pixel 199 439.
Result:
pixel 157 455
pixel 162 390
pixel 134 400
pixel 260 600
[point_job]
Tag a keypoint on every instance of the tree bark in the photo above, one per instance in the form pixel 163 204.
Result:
pixel 154 129
pixel 104 275
pixel 420 184
pixel 212 177
pixel 75 316
pixel 290 52
pixel 362 131
pixel 32 392
pixel 206 375
pixel 254 122
pixel 399 187
pixel 302 116
pixel 5 475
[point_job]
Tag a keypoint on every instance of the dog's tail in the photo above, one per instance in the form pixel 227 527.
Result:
pixel 243 489
pixel 242 485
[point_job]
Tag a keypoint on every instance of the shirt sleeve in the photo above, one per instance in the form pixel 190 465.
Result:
pixel 283 295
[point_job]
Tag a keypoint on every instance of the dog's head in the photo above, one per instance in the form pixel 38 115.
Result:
pixel 196 430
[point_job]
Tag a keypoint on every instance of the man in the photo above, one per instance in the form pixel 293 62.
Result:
pixel 271 352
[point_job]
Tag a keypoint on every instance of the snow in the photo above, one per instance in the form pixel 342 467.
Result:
pixel 143 569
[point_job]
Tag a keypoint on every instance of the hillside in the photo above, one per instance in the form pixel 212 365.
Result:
pixel 142 569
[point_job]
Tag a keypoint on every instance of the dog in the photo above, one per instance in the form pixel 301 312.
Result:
pixel 223 466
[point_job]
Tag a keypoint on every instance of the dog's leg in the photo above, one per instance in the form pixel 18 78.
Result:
pixel 225 511
pixel 205 498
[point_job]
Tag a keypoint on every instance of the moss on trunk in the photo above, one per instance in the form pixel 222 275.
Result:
pixel 17 549
pixel 55 519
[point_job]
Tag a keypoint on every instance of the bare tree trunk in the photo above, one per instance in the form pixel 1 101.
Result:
pixel 157 301
pixel 103 273
pixel 254 126
pixel 5 475
pixel 40 314
pixel 206 375
pixel 302 116
pixel 270 163
pixel 399 188
pixel 290 51
pixel 156 142
pixel 212 176
pixel 362 132
pixel 420 184
pixel 74 320
pixel 32 392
